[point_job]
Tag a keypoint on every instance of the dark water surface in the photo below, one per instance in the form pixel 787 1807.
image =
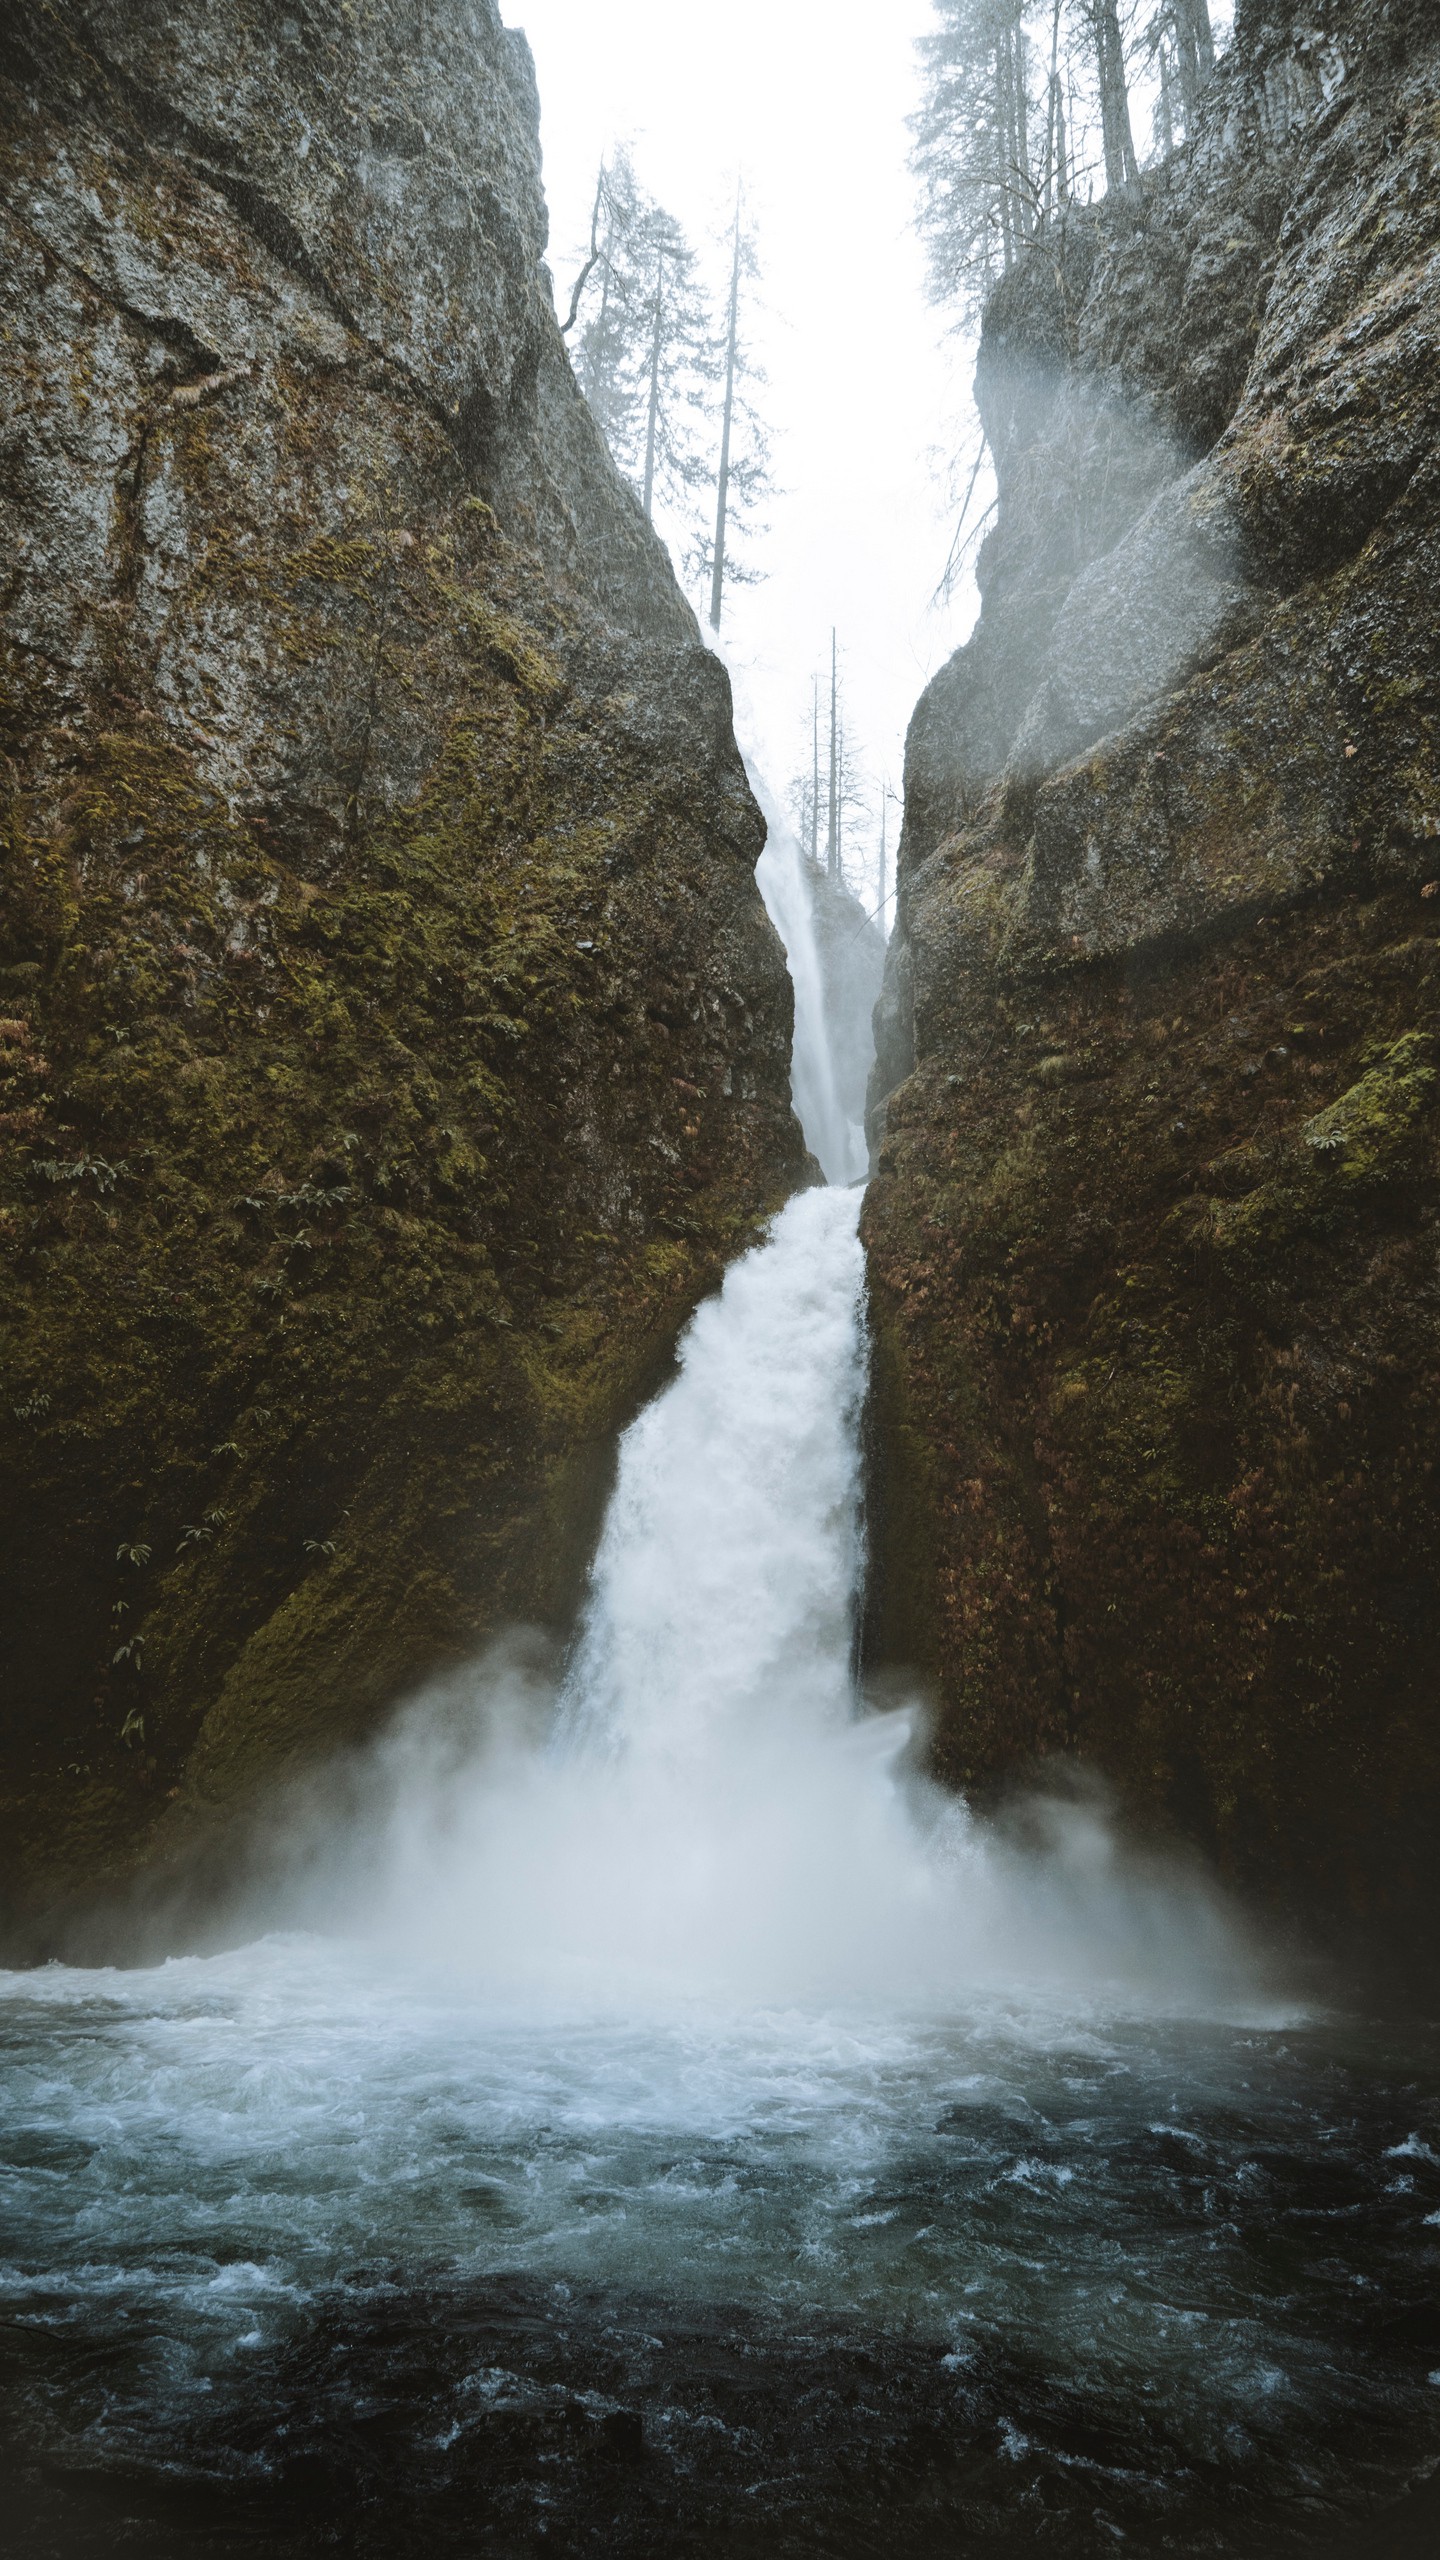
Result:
pixel 303 2254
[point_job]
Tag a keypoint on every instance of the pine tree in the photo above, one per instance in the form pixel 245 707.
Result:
pixel 742 477
pixel 1194 49
pixel 995 138
pixel 610 292
pixel 644 357
pixel 971 150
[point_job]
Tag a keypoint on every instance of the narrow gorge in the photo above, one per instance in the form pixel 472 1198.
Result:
pixel 717 1787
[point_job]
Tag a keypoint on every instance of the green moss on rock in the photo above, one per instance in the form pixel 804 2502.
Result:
pixel 393 1046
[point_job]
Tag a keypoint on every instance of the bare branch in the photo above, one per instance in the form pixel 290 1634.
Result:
pixel 951 569
pixel 592 262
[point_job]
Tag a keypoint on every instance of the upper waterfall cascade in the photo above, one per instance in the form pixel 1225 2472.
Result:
pixel 835 1140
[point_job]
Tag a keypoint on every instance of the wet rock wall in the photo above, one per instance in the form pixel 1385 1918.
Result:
pixel 392 1042
pixel 1153 1235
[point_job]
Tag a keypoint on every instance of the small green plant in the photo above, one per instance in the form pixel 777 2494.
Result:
pixel 197 1532
pixel 83 1168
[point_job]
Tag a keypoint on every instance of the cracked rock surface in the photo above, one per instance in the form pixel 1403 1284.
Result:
pixel 1154 1232
pixel 393 1045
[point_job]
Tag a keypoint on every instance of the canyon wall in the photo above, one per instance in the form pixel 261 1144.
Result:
pixel 393 1045
pixel 1153 1235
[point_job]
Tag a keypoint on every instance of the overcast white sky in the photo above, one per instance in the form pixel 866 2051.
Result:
pixel 808 99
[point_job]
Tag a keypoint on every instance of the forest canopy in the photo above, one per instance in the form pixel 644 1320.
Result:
pixel 1025 110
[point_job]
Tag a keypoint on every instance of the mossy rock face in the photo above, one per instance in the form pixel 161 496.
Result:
pixel 393 1046
pixel 1154 1228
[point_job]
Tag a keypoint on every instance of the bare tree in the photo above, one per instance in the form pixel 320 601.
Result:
pixel 833 790
pixel 805 793
pixel 846 797
pixel 815 773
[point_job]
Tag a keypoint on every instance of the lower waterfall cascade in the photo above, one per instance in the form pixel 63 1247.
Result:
pixel 650 2117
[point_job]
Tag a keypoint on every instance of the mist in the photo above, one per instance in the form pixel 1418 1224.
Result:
pixel 695 1812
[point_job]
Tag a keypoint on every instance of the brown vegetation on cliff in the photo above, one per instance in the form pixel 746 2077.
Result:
pixel 1153 1239
pixel 393 1043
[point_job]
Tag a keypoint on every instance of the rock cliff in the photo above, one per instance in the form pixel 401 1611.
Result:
pixel 850 947
pixel 1154 1233
pixel 392 1042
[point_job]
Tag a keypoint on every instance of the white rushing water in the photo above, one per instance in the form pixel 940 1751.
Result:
pixel 705 1815
pixel 835 1140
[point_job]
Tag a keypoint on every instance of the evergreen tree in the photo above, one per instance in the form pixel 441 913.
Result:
pixel 1181 42
pixel 972 149
pixel 742 470
pixel 644 357
pixel 995 145
pixel 610 293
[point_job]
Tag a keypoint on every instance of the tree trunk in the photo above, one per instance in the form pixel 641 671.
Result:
pixel 722 494
pixel 1054 128
pixel 832 832
pixel 1195 51
pixel 653 421
pixel 815 773
pixel 1002 147
pixel 1020 177
pixel 1121 167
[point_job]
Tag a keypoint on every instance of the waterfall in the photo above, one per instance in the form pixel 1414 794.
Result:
pixel 708 1813
pixel 703 1807
pixel 723 1590
pixel 836 1142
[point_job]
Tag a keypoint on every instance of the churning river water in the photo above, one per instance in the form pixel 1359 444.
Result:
pixel 639 2116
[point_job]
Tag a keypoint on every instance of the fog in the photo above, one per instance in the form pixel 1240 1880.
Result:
pixel 868 395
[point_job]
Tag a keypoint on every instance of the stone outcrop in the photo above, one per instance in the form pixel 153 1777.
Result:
pixel 851 950
pixel 392 1042
pixel 1154 1232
